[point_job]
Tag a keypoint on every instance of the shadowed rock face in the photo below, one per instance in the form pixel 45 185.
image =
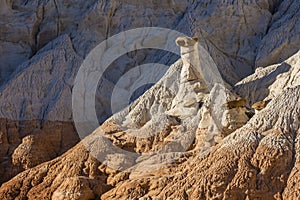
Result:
pixel 36 34
pixel 42 45
pixel 25 144
pixel 26 27
pixel 239 103
pixel 282 38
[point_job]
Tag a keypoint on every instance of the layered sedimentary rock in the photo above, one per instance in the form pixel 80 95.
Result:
pixel 42 46
pixel 266 83
pixel 258 160
pixel 42 113
pixel 182 156
pixel 17 36
pixel 179 139
pixel 25 144
pixel 282 39
pixel 44 42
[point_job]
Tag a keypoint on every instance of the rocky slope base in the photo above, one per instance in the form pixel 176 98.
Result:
pixel 25 144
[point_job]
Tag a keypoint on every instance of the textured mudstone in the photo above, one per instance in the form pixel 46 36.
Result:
pixel 266 83
pixel 282 39
pixel 208 149
pixel 25 144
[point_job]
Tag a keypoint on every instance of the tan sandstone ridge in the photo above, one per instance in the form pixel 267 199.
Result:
pixel 190 148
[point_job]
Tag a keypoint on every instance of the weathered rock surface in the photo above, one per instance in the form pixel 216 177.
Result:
pixel 18 28
pixel 89 23
pixel 258 160
pixel 25 144
pixel 64 178
pixel 178 140
pixel 35 103
pixel 266 83
pixel 255 161
pixel 44 42
pixel 282 39
pixel 232 31
pixel 39 90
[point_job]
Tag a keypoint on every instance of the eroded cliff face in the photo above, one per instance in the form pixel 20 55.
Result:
pixel 25 144
pixel 257 160
pixel 43 44
pixel 282 38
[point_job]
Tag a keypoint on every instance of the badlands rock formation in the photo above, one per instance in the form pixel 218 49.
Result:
pixel 184 138
pixel 258 160
pixel 282 38
pixel 267 83
pixel 145 127
pixel 44 42
pixel 42 47
pixel 38 119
